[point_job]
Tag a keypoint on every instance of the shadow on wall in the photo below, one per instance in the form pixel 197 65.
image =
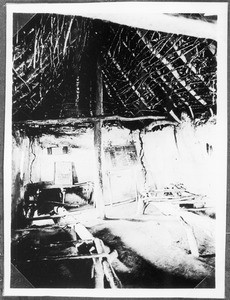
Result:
pixel 17 217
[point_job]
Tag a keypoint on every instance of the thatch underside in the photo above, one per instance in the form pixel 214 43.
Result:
pixel 144 72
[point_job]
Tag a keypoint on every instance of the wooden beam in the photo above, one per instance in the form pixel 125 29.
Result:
pixel 98 268
pixel 74 121
pixel 68 257
pixel 98 146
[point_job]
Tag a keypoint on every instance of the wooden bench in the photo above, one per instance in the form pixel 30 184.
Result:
pixel 176 196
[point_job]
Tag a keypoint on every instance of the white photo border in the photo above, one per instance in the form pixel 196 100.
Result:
pixel 117 10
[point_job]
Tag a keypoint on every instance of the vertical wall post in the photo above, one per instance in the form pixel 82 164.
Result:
pixel 98 146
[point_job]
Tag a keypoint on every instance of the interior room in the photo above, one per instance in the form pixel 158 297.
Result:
pixel 113 153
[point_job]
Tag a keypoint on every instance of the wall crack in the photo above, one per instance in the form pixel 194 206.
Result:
pixel 32 162
pixel 141 154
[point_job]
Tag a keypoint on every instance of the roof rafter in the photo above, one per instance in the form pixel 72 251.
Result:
pixel 171 68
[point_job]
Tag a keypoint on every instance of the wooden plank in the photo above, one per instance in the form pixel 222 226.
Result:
pixel 174 202
pixel 109 272
pixel 82 232
pixel 98 268
pixel 171 199
pixel 191 237
pixel 67 257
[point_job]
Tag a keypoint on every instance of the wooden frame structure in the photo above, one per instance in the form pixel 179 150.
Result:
pixel 148 76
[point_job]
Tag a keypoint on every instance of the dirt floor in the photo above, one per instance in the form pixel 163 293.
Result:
pixel 153 249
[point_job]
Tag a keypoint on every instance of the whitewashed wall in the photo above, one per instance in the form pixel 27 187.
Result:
pixel 181 156
pixel 169 156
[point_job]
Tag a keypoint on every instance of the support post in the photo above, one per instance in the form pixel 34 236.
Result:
pixel 98 146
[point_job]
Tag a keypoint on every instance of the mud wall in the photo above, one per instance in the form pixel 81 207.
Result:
pixel 133 161
pixel 20 173
pixel 123 175
pixel 185 154
pixel 171 155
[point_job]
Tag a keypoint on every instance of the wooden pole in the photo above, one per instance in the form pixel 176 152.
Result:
pixel 75 121
pixel 98 146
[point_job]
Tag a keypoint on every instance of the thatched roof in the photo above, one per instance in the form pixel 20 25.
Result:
pixel 144 72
